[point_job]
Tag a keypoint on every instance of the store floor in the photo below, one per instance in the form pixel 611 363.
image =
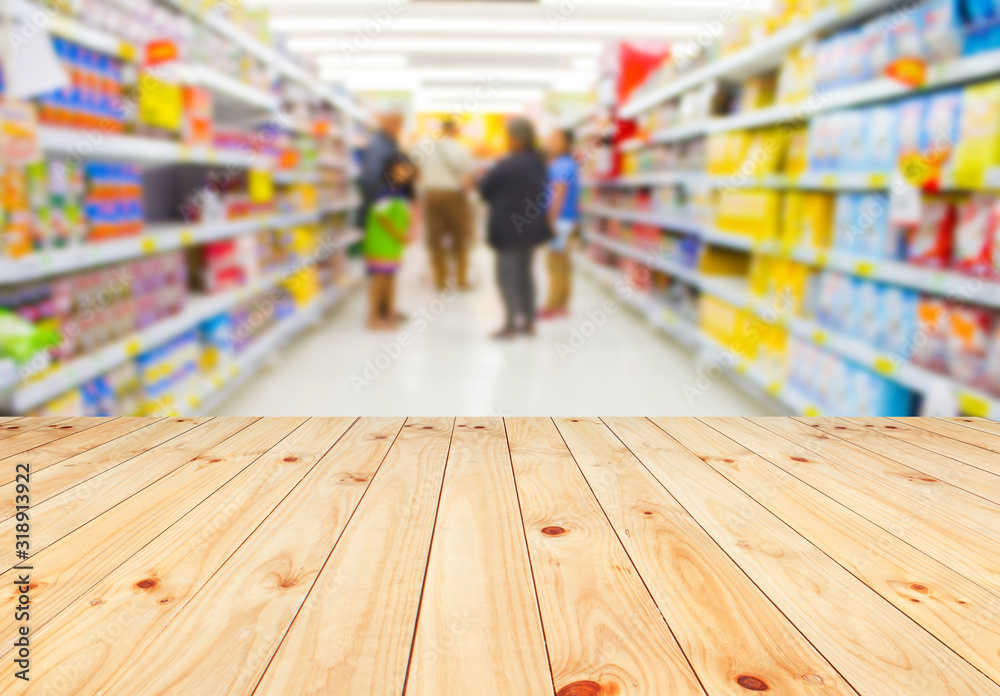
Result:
pixel 450 366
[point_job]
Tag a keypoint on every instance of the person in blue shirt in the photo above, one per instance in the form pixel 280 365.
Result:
pixel 564 215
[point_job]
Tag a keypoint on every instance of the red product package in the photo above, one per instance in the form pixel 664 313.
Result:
pixel 978 225
pixel 931 350
pixel 969 336
pixel 931 242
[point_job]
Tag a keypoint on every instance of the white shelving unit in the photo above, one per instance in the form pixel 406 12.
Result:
pixel 220 387
pixel 762 55
pixel 735 292
pixel 75 372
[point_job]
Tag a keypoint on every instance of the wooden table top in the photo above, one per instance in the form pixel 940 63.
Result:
pixel 518 557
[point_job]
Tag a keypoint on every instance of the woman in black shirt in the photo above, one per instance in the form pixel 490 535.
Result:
pixel 516 190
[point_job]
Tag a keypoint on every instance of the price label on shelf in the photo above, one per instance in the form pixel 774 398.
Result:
pixel 865 269
pixel 133 348
pixel 127 52
pixel 187 237
pixel 774 389
pixel 820 337
pixel 811 412
pixel 148 245
pixel 217 381
pixel 194 401
pixel 828 181
pixel 878 180
pixel 974 405
pixel 885 365
pixel 742 367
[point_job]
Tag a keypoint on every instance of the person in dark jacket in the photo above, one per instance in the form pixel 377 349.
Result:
pixel 383 149
pixel 516 190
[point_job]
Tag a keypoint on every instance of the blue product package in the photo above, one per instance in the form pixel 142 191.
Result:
pixel 845 222
pixel 899 320
pixel 942 122
pixel 868 307
pixel 942 28
pixel 872 226
pixel 882 144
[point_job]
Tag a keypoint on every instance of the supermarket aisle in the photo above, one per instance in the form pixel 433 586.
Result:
pixel 451 367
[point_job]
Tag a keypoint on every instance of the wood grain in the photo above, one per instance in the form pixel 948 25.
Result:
pixel 591 597
pixel 77 458
pixel 730 632
pixel 354 632
pixel 112 537
pixel 919 450
pixel 9 428
pixel 479 630
pixel 876 648
pixel 59 515
pixel 20 447
pixel 924 511
pixel 963 615
pixel 221 641
pixel 955 433
pixel 117 616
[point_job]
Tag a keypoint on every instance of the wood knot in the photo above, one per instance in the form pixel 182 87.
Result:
pixel 361 479
pixel 164 600
pixel 96 602
pixel 214 461
pixel 752 683
pixel 286 584
pixel 922 589
pixel 584 688
pixel 553 531
pixel 381 437
pixel 892 427
pixel 290 459
pixel 428 427
pixel 799 459
pixel 840 427
pixel 647 512
pixel 480 427
pixel 729 461
pixel 147 584
pixel 14 427
pixel 65 427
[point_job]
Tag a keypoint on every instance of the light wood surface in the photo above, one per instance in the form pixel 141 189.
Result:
pixel 566 557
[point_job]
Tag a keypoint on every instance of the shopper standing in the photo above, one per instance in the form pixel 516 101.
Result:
pixel 564 215
pixel 516 192
pixel 383 148
pixel 446 175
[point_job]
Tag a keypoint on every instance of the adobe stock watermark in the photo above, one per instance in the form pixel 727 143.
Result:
pixel 364 34
pixel 390 351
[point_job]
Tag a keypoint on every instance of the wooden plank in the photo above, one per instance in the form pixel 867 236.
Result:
pixel 51 431
pixel 957 431
pixel 593 603
pixel 960 613
pixel 113 536
pixel 77 443
pixel 354 632
pixel 479 628
pixel 109 623
pixel 10 428
pixel 949 524
pixel 918 450
pixel 735 638
pixel 109 447
pixel 876 648
pixel 981 424
pixel 223 638
pixel 60 515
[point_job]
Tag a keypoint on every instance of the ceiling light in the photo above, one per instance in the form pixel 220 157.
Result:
pixel 389 44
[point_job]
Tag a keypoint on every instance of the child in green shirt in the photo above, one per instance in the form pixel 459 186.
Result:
pixel 387 232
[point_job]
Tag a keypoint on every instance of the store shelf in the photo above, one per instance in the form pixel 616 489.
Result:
pixel 947 74
pixel 653 218
pixel 932 385
pixel 214 17
pixel 155 240
pixel 760 56
pixel 227 91
pixel 296 177
pixel 197 310
pixel 91 144
pixel 221 387
pixel 691 179
pixel 70 28
pixel 669 322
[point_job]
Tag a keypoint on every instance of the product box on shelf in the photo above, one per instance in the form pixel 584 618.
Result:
pixel 969 333
pixel 979 146
pixel 930 243
pixel 977 235
pixel 931 350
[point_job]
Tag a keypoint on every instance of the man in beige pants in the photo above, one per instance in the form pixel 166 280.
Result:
pixel 446 175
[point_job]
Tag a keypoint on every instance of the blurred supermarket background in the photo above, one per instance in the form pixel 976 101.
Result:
pixel 789 207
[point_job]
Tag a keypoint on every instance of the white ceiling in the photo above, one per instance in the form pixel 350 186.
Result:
pixel 522 49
